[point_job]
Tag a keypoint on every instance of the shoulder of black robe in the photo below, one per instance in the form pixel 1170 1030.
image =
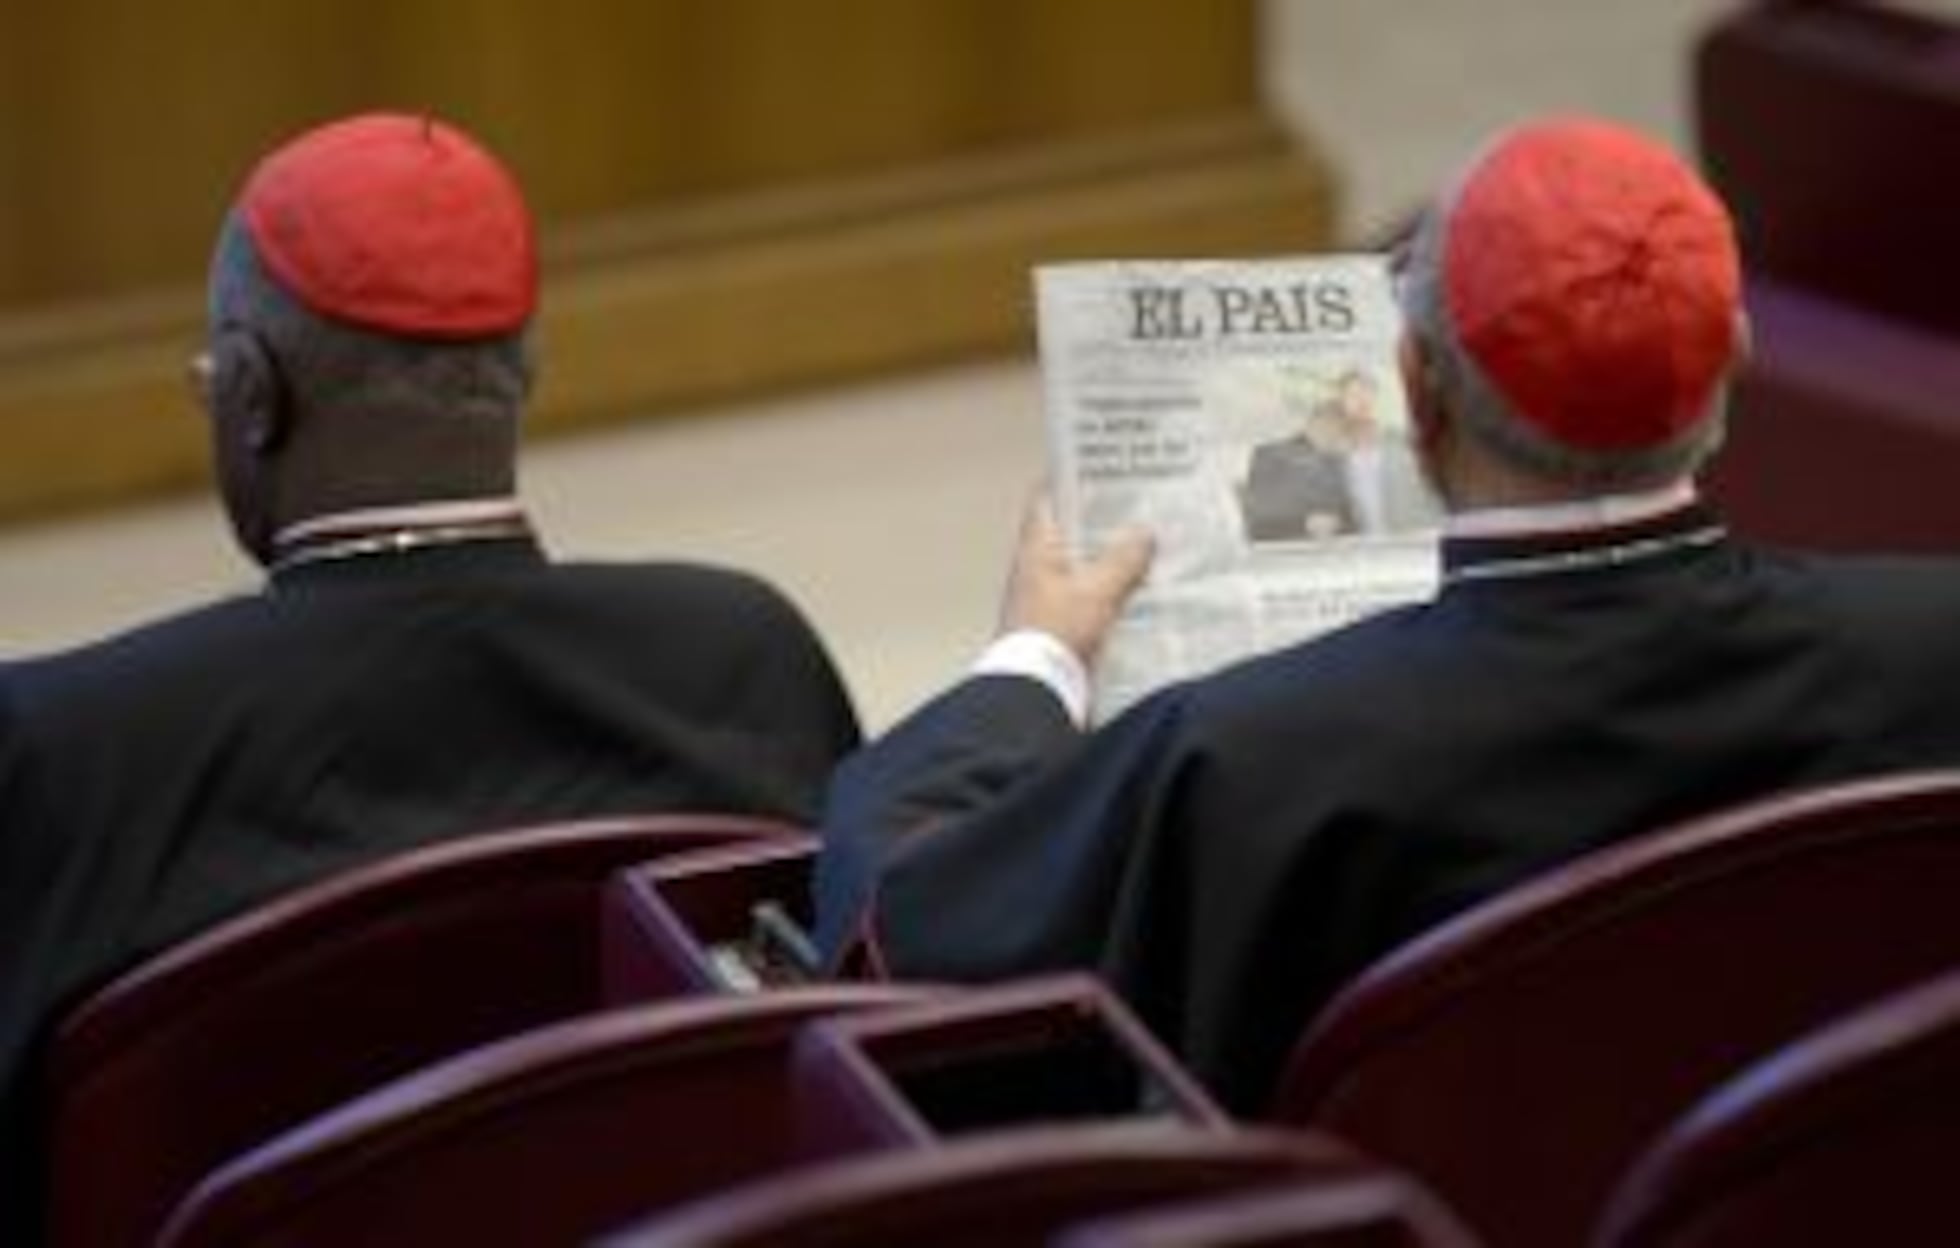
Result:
pixel 729 654
pixel 154 782
pixel 234 751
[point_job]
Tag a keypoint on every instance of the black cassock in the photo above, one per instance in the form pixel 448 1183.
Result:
pixel 160 780
pixel 1230 851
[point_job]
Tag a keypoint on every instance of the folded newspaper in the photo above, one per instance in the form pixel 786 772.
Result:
pixel 1251 415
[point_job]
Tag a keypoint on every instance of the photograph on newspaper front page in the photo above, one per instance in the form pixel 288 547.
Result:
pixel 1250 414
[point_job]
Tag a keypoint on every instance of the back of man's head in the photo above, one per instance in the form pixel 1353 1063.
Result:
pixel 1575 300
pixel 369 301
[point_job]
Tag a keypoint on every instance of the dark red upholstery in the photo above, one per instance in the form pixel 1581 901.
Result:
pixel 212 1046
pixel 1849 1136
pixel 661 918
pixel 1042 1050
pixel 1518 1057
pixel 1360 1211
pixel 1829 128
pixel 997 1191
pixel 543 1139
pixel 1846 430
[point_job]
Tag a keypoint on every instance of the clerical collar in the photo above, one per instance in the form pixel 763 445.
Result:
pixel 384 531
pixel 1607 511
pixel 1620 531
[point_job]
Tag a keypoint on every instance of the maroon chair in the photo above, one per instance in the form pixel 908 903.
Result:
pixel 1846 435
pixel 1059 1049
pixel 1516 1058
pixel 1831 131
pixel 687 923
pixel 545 1139
pixel 1848 1136
pixel 1362 1211
pixel 1829 128
pixel 999 1191
pixel 258 1023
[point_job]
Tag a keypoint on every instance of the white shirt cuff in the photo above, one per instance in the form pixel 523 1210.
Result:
pixel 1041 658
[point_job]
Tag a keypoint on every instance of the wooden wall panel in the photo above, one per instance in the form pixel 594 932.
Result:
pixel 130 122
pixel 731 156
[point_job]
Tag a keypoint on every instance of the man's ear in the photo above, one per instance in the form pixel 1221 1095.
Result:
pixel 1432 425
pixel 1426 413
pixel 529 354
pixel 1745 342
pixel 248 392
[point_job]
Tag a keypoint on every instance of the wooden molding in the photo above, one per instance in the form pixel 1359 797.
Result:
pixel 697 303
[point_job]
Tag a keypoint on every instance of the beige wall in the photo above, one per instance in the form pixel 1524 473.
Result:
pixel 1400 91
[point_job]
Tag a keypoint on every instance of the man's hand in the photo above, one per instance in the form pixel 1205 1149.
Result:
pixel 1073 601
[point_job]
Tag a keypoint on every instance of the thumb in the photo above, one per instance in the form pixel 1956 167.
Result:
pixel 1123 564
pixel 1041 531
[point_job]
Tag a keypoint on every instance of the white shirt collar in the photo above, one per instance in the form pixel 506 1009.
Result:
pixel 407 516
pixel 1606 511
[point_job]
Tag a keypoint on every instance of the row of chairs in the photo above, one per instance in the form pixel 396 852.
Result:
pixel 569 1128
pixel 415 1044
pixel 529 1038
pixel 729 1120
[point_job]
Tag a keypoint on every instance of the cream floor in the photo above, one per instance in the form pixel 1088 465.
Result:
pixel 886 508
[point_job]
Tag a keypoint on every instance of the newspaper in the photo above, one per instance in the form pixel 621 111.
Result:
pixel 1251 415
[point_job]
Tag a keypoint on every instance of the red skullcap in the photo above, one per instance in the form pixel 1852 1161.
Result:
pixel 396 223
pixel 1594 279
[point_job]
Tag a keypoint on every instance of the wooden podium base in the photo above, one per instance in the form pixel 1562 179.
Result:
pixel 730 296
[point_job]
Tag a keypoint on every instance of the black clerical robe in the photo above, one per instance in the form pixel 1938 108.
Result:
pixel 1232 850
pixel 158 781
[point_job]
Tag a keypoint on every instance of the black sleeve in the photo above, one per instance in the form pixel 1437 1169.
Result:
pixel 985 838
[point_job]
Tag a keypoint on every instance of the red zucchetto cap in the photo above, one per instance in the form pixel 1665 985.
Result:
pixel 1594 279
pixel 396 223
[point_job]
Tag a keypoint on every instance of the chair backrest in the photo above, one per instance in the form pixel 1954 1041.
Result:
pixel 1819 122
pixel 1382 1210
pixel 1049 1050
pixel 545 1138
pixel 215 1044
pixel 1846 436
pixel 1002 1190
pixel 1517 1057
pixel 1829 130
pixel 1848 1136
